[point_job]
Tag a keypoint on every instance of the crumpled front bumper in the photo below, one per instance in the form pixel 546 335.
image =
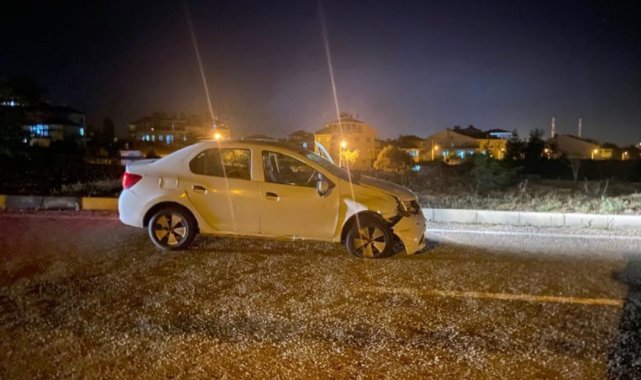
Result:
pixel 411 231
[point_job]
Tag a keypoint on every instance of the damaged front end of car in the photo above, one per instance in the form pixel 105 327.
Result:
pixel 409 226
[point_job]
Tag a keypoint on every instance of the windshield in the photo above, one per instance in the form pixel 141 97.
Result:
pixel 326 164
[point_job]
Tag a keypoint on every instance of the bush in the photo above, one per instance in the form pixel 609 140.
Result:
pixel 490 174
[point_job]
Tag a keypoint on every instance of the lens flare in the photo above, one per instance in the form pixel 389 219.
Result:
pixel 217 135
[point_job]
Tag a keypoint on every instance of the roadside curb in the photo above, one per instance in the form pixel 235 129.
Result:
pixel 509 218
pixel 538 219
pixel 34 202
pixel 98 203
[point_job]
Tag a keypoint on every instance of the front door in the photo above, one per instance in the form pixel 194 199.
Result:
pixel 289 203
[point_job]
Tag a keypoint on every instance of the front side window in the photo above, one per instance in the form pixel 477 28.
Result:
pixel 229 163
pixel 280 168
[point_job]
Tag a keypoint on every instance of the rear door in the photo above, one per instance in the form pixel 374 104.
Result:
pixel 222 190
pixel 289 203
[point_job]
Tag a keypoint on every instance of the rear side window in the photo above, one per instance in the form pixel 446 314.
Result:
pixel 230 163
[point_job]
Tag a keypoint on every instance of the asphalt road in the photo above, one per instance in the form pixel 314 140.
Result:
pixel 82 295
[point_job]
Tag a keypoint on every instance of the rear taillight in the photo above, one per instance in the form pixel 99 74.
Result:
pixel 129 179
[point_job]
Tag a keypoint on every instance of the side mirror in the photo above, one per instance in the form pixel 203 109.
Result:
pixel 323 186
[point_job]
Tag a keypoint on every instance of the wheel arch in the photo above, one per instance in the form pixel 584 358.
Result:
pixel 352 220
pixel 161 205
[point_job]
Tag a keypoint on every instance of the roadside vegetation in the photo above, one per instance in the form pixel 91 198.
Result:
pixel 489 184
pixel 532 177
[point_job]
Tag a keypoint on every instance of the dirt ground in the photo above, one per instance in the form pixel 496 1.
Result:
pixel 91 298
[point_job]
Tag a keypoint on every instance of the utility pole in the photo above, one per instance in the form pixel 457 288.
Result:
pixel 553 128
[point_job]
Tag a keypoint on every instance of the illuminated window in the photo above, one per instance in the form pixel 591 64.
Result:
pixel 82 132
pixel 39 130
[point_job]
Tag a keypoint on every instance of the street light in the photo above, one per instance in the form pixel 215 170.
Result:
pixel 624 155
pixel 217 135
pixel 434 147
pixel 340 153
pixel 596 151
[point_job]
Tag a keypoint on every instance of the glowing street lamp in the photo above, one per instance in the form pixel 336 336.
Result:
pixel 340 153
pixel 434 148
pixel 217 136
pixel 624 155
pixel 596 151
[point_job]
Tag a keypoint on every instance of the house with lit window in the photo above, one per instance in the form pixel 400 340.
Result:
pixel 349 141
pixel 46 124
pixel 411 145
pixel 572 146
pixel 458 143
pixel 177 128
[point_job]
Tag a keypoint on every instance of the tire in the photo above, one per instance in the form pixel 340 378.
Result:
pixel 370 237
pixel 172 229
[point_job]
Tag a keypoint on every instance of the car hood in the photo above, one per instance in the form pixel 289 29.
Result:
pixel 398 191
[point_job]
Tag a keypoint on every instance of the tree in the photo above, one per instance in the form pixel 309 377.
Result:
pixel 349 156
pixel 515 147
pixel 392 159
pixel 535 145
pixel 574 164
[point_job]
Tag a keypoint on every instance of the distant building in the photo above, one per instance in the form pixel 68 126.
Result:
pixel 411 145
pixel 177 128
pixel 577 147
pixel 46 123
pixel 458 143
pixel 357 139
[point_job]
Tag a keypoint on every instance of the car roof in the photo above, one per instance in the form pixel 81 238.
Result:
pixel 256 142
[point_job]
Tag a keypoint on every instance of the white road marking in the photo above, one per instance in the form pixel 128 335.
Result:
pixel 535 234
pixel 498 296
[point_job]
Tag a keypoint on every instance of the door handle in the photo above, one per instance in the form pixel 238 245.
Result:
pixel 198 189
pixel 272 196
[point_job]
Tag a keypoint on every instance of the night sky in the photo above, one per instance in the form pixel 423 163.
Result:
pixel 402 66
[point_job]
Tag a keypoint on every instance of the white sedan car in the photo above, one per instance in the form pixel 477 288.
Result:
pixel 266 189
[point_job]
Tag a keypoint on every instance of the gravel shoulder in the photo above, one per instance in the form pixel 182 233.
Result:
pixel 93 298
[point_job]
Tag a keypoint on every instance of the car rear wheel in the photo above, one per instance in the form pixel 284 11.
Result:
pixel 172 228
pixel 370 237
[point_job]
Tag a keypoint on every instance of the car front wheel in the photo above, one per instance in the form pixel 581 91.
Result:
pixel 172 228
pixel 370 237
